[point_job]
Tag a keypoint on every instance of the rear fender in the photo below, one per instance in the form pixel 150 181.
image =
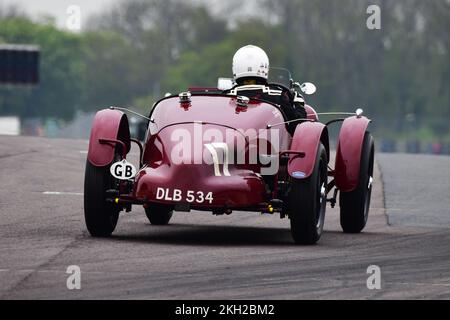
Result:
pixel 311 114
pixel 348 153
pixel 108 124
pixel 307 137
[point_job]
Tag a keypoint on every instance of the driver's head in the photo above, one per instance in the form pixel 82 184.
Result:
pixel 250 66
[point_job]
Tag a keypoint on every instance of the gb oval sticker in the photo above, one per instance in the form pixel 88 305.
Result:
pixel 123 170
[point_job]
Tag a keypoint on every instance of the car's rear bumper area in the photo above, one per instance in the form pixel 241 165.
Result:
pixel 195 186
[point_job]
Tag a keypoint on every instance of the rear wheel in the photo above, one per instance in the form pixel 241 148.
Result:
pixel 158 214
pixel 100 215
pixel 307 202
pixel 354 205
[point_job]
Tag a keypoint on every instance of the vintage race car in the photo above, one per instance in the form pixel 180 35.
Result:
pixel 211 150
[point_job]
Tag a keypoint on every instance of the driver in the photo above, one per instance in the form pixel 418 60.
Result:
pixel 251 71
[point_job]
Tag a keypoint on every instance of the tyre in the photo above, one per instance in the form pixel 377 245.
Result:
pixel 354 205
pixel 307 202
pixel 158 214
pixel 100 215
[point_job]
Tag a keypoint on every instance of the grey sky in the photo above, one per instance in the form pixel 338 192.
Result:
pixel 58 8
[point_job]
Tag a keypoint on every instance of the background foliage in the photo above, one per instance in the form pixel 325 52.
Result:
pixel 135 51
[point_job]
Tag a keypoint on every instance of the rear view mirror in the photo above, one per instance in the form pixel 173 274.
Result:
pixel 308 88
pixel 224 83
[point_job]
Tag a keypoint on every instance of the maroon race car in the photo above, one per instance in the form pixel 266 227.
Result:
pixel 213 151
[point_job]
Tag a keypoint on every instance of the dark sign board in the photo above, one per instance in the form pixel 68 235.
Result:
pixel 19 64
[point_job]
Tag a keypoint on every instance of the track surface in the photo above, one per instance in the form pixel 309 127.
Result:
pixel 200 256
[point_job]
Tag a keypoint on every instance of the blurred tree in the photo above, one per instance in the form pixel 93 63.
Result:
pixel 61 90
pixel 11 11
pixel 113 76
pixel 203 67
pixel 156 33
pixel 137 50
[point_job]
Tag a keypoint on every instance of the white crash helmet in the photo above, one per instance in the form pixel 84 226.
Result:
pixel 250 61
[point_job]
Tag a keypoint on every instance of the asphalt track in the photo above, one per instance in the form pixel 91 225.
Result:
pixel 200 256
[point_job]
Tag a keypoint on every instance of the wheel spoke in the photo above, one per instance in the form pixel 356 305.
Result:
pixel 369 185
pixel 322 192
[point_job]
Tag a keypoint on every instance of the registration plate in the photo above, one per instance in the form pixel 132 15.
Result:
pixel 189 196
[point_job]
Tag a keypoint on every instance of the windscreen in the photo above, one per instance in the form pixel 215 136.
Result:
pixel 280 76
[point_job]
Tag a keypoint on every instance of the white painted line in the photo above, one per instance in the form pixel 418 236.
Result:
pixel 282 281
pixel 421 284
pixel 83 151
pixel 18 270
pixel 64 272
pixel 63 193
